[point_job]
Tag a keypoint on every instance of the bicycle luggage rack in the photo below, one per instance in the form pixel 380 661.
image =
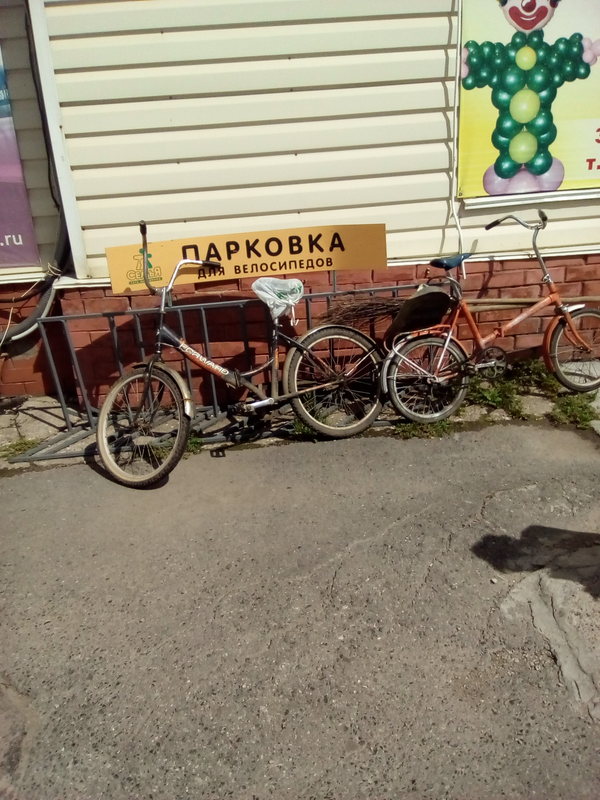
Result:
pixel 81 425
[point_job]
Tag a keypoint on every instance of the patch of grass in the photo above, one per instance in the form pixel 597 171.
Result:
pixel 532 375
pixel 194 444
pixel 301 430
pixel 425 430
pixel 505 392
pixel 502 392
pixel 19 447
pixel 574 409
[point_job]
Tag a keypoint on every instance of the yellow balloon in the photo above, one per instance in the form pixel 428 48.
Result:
pixel 523 147
pixel 526 58
pixel 524 106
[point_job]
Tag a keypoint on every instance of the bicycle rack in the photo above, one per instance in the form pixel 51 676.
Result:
pixel 78 437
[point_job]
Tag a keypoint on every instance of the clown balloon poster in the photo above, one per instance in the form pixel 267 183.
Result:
pixel 529 118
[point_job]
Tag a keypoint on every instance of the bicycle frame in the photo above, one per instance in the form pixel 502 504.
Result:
pixel 166 336
pixel 234 378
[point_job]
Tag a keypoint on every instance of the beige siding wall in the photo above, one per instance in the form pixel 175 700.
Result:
pixel 213 117
pixel 28 125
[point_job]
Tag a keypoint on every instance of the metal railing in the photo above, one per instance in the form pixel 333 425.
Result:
pixel 129 340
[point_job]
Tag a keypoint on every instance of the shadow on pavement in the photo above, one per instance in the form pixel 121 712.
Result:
pixel 568 555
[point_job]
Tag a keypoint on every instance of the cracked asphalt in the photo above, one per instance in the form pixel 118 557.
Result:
pixel 370 618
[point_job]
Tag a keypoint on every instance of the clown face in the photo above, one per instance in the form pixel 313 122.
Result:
pixel 528 15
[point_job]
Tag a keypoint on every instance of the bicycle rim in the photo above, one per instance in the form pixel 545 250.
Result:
pixel 142 428
pixel 426 380
pixel 576 367
pixel 338 377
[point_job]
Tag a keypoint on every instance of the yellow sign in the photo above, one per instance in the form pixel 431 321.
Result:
pixel 248 255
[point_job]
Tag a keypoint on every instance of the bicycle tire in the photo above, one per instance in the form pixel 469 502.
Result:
pixel 349 360
pixel 11 332
pixel 416 396
pixel 142 451
pixel 573 367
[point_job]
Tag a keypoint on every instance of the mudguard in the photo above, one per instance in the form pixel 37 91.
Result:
pixel 189 406
pixel 554 322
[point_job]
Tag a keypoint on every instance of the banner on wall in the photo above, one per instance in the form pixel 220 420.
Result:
pixel 529 118
pixel 250 255
pixel 18 246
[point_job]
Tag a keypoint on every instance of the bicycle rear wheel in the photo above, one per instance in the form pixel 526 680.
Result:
pixel 18 316
pixel 575 367
pixel 142 428
pixel 337 374
pixel 426 380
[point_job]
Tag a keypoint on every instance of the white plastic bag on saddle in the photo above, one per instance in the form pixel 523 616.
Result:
pixel 279 295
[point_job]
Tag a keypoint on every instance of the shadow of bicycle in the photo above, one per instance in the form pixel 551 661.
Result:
pixel 568 555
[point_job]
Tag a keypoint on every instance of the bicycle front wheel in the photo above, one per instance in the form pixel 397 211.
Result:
pixel 142 428
pixel 575 366
pixel 426 380
pixel 336 378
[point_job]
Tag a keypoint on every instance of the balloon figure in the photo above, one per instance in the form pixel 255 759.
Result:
pixel 524 77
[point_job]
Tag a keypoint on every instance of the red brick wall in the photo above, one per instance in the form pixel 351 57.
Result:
pixel 25 370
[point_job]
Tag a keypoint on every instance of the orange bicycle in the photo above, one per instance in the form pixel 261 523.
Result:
pixel 427 371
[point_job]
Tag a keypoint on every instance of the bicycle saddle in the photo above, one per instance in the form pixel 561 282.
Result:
pixel 279 294
pixel 451 262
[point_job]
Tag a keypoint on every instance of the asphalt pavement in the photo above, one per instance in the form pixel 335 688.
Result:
pixel 371 618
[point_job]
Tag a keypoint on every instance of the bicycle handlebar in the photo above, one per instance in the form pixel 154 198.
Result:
pixel 152 289
pixel 535 226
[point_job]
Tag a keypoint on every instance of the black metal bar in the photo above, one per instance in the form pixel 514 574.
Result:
pixel 54 373
pixel 114 338
pixel 79 377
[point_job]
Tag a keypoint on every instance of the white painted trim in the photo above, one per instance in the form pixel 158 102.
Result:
pixel 51 103
pixel 536 198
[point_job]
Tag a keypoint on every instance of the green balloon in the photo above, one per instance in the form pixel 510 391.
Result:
pixel 487 51
pixel 474 59
pixel 505 167
pixel 524 106
pixel 546 139
pixel 469 82
pixel 554 60
pixel 583 69
pixel 569 70
pixel 543 52
pixel 483 78
pixel 575 48
pixel 540 163
pixel 501 99
pixel 547 97
pixel 513 79
pixel 500 142
pixel 507 126
pixel 562 46
pixel 541 123
pixel 557 79
pixel 536 38
pixel 519 39
pixel 539 79
pixel 526 58
pixel 523 147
